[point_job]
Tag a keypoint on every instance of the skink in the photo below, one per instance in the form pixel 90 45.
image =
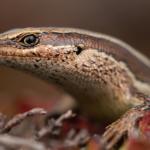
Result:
pixel 103 74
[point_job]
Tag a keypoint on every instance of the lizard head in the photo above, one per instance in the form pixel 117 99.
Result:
pixel 46 52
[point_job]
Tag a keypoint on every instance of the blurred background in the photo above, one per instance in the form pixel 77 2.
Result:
pixel 125 19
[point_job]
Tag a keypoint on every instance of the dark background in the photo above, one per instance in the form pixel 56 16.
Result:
pixel 128 20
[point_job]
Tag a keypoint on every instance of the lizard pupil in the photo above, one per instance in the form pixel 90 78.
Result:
pixel 30 40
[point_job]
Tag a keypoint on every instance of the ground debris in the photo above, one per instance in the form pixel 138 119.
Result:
pixel 36 129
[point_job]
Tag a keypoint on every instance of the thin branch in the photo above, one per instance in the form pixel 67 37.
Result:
pixel 54 124
pixel 20 117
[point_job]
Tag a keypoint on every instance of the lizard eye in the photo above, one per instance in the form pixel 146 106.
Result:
pixel 29 40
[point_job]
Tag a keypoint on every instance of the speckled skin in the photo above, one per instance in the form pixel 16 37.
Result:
pixel 103 81
pixel 105 75
pixel 81 80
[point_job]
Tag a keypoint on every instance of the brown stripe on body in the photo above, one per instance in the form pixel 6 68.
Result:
pixel 120 53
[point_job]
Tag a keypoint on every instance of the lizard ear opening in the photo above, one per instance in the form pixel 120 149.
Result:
pixel 79 49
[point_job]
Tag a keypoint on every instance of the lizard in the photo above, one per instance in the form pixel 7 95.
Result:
pixel 104 74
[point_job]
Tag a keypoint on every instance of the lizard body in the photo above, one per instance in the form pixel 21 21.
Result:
pixel 103 73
